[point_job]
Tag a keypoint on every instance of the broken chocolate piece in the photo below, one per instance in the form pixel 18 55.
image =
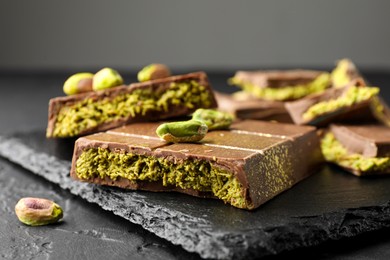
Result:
pixel 345 72
pixel 91 112
pixel 367 140
pixel 360 149
pixel 244 166
pixel 348 104
pixel 281 85
pixel 243 106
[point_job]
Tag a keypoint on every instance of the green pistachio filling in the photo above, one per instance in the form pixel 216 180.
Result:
pixel 339 75
pixel 189 174
pixel 352 96
pixel 88 113
pixel 285 93
pixel 335 152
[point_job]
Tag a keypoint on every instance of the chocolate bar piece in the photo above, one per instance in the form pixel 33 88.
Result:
pixel 360 149
pixel 244 166
pixel 91 112
pixel 244 106
pixel 281 85
pixel 345 104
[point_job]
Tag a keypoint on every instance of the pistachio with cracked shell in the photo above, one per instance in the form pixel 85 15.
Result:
pixel 106 78
pixel 153 71
pixel 38 211
pixel 214 119
pixel 182 131
pixel 78 83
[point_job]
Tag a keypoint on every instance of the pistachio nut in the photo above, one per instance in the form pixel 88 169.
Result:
pixel 106 78
pixel 78 83
pixel 214 119
pixel 153 71
pixel 183 131
pixel 38 211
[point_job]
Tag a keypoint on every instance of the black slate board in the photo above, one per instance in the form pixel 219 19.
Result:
pixel 329 205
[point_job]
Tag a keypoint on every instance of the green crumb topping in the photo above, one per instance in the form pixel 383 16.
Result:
pixel 189 174
pixel 352 96
pixel 87 114
pixel 335 152
pixel 339 75
pixel 285 93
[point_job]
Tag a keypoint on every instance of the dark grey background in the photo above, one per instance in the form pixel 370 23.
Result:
pixel 220 34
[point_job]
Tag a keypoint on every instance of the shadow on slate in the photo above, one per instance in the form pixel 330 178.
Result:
pixel 328 206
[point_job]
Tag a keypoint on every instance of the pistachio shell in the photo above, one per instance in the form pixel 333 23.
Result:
pixel 37 211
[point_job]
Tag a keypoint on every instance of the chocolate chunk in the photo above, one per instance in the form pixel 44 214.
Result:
pixel 244 166
pixel 359 149
pixel 277 78
pixel 281 85
pixel 352 103
pixel 367 140
pixel 92 112
pixel 244 106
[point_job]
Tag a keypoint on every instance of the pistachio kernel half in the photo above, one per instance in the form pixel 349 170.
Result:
pixel 214 119
pixel 182 131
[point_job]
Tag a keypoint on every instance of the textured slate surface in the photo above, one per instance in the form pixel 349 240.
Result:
pixel 86 232
pixel 328 206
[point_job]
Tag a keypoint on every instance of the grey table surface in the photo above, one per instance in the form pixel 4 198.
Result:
pixel 89 232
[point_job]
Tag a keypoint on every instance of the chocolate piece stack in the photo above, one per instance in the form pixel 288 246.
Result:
pixel 346 100
pixel 264 92
pixel 245 165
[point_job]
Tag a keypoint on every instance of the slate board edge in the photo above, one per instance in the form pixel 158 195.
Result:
pixel 305 232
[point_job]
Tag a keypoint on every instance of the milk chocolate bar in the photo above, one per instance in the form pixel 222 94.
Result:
pixel 244 166
pixel 281 85
pixel 92 112
pixel 359 149
pixel 351 103
pixel 244 106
